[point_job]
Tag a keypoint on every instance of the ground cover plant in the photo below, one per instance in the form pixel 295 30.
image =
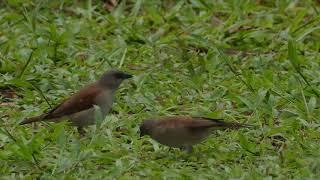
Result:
pixel 255 62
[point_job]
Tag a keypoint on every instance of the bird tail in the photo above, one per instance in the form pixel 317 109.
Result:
pixel 233 125
pixel 229 125
pixel 33 119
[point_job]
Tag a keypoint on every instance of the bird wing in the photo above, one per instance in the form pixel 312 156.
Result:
pixel 194 123
pixel 182 129
pixel 184 122
pixel 80 101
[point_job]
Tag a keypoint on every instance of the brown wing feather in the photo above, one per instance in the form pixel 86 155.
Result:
pixel 185 122
pixel 197 123
pixel 82 100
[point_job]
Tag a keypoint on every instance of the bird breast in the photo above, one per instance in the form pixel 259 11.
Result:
pixel 105 100
pixel 87 117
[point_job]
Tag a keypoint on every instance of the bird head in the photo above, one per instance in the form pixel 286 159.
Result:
pixel 146 127
pixel 113 78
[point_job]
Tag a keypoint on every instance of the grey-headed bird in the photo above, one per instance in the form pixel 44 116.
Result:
pixel 79 108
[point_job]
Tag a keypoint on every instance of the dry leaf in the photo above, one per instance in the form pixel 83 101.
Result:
pixel 8 93
pixel 7 103
pixel 110 4
pixel 216 21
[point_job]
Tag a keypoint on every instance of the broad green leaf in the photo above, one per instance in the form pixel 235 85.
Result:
pixel 98 116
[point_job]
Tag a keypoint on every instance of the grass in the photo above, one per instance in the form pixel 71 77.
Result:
pixel 255 62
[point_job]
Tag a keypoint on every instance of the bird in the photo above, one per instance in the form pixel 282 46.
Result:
pixel 183 131
pixel 79 109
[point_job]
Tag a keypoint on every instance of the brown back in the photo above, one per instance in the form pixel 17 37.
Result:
pixel 80 101
pixel 194 123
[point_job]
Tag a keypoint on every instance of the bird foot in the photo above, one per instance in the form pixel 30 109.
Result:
pixel 81 131
pixel 187 148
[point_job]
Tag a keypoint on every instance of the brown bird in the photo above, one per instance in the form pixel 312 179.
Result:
pixel 79 108
pixel 183 132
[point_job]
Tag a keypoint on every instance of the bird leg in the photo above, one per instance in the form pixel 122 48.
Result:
pixel 81 131
pixel 187 148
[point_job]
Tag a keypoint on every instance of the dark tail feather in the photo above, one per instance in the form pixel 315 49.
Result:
pixel 232 125
pixel 33 119
pixel 226 125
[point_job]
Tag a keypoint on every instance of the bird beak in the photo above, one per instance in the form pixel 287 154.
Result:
pixel 126 76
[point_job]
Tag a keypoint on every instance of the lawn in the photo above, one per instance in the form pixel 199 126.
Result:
pixel 248 61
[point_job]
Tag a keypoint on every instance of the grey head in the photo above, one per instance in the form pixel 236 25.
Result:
pixel 113 78
pixel 147 126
